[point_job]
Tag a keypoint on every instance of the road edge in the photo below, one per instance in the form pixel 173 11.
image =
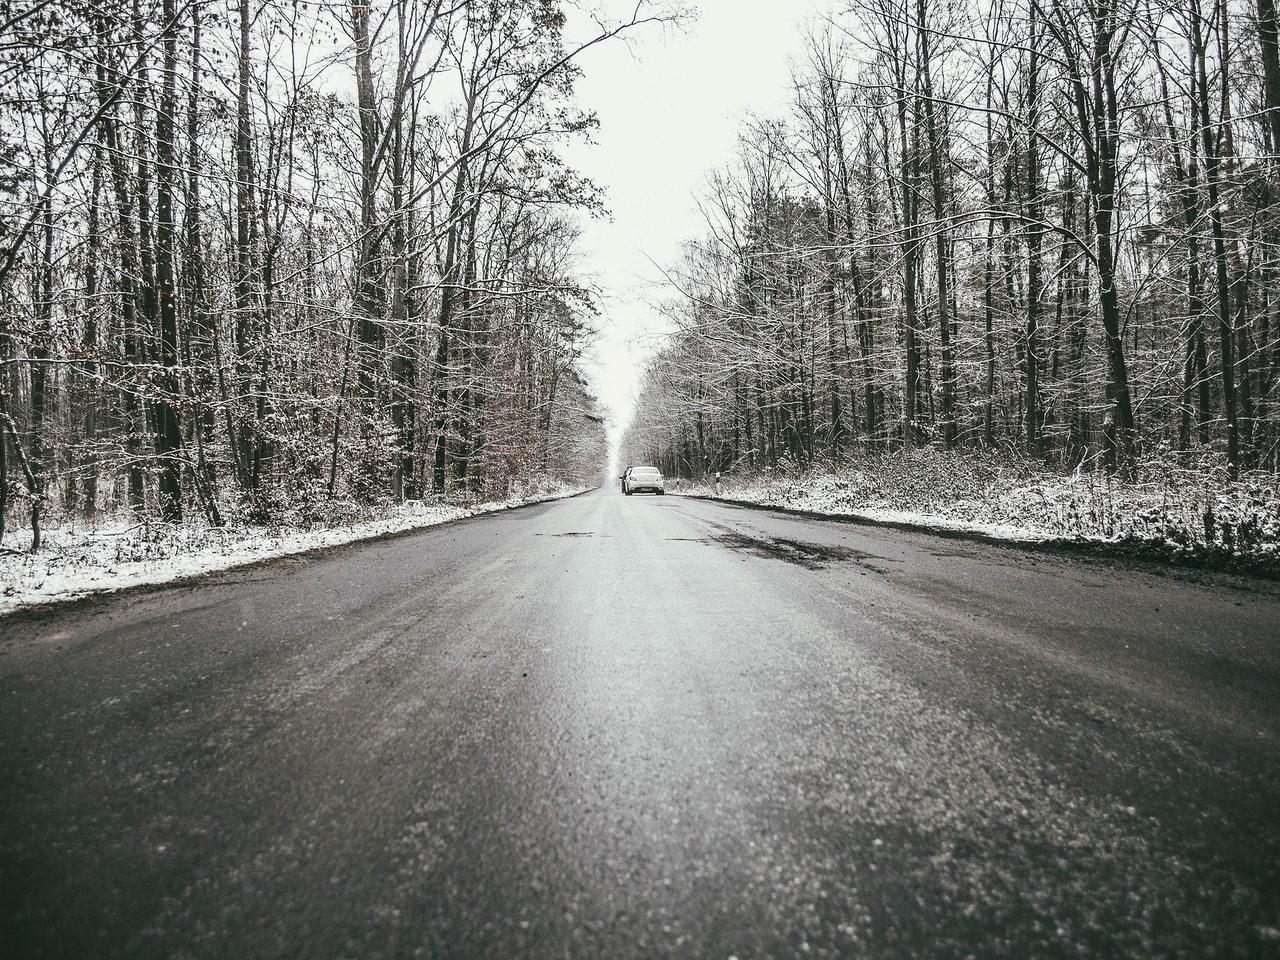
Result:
pixel 1148 553
pixel 56 606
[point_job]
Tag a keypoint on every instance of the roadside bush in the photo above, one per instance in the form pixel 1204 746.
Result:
pixel 1175 506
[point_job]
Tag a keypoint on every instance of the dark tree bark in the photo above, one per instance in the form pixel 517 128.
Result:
pixel 169 430
pixel 1212 168
pixel 937 184
pixel 1035 230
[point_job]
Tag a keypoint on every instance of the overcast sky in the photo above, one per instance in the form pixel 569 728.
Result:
pixel 670 111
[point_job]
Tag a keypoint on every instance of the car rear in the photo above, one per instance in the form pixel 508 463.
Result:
pixel 645 480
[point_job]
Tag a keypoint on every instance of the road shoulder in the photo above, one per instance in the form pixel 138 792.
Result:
pixel 1147 555
pixel 47 584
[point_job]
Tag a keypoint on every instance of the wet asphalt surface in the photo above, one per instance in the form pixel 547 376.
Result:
pixel 648 727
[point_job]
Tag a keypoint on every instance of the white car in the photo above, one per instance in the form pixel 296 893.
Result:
pixel 641 479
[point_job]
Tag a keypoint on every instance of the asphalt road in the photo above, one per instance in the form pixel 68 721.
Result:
pixel 646 727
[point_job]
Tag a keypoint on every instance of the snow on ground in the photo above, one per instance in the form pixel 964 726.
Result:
pixel 1170 510
pixel 77 561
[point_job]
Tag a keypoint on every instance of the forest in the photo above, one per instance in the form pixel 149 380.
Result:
pixel 259 259
pixel 1037 229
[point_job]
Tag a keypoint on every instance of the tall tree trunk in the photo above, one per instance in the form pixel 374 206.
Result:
pixel 1098 119
pixel 88 460
pixel 244 431
pixel 404 358
pixel 830 265
pixel 128 277
pixel 368 298
pixel 908 144
pixel 449 290
pixel 940 232
pixel 169 432
pixel 202 325
pixel 1269 47
pixel 1199 77
pixel 1035 215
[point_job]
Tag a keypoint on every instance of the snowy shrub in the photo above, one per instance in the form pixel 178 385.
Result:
pixel 1174 507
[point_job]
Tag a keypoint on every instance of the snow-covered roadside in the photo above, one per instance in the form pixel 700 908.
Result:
pixel 756 496
pixel 1177 514
pixel 76 563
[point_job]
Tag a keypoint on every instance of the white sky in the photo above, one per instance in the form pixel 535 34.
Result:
pixel 670 110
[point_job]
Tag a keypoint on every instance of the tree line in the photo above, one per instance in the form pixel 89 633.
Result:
pixel 263 255
pixel 1041 225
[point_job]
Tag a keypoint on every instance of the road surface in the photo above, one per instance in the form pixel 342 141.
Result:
pixel 646 727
